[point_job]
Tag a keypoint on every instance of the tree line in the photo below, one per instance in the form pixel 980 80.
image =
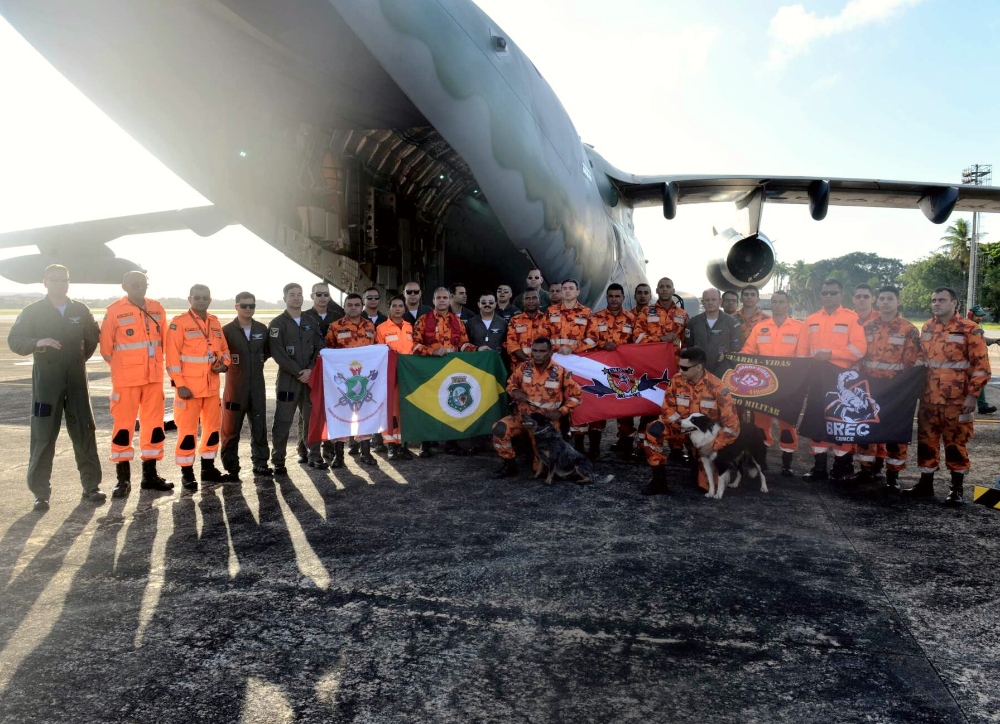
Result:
pixel 946 267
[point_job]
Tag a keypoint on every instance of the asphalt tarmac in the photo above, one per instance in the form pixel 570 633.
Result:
pixel 427 591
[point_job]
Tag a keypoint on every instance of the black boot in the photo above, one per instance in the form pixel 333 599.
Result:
pixel 877 475
pixel 595 444
pixel 957 495
pixel 393 453
pixel 786 465
pixel 818 471
pixel 843 468
pixel 892 481
pixel 151 480
pixel 578 443
pixel 365 458
pixel 124 485
pixel 864 477
pixel 507 470
pixel 187 478
pixel 679 454
pixel 425 450
pixel 338 455
pixel 210 473
pixel 378 444
pixel 353 448
pixel 451 447
pixel 658 483
pixel 923 489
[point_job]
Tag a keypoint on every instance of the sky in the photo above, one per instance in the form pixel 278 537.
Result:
pixel 890 89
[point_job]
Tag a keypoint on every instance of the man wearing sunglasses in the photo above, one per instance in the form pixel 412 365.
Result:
pixel 245 390
pixel 534 281
pixel 414 308
pixel 324 310
pixel 371 298
pixel 832 335
pixel 505 307
pixel 61 335
pixel 693 390
pixel 197 354
pixel 864 304
pixel 132 336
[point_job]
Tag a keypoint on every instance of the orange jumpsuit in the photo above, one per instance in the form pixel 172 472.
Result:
pixel 345 334
pixel 522 331
pixel 652 323
pixel 132 343
pixel 958 366
pixel 446 331
pixel 399 338
pixel 619 329
pixel 751 322
pixel 551 387
pixel 682 398
pixel 570 327
pixel 193 346
pixel 771 339
pixel 892 348
pixel 841 335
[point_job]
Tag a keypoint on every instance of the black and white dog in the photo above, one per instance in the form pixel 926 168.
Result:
pixel 728 465
pixel 555 455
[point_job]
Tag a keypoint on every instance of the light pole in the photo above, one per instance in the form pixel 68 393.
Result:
pixel 975 175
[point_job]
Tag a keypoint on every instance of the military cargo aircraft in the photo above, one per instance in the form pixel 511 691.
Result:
pixel 382 141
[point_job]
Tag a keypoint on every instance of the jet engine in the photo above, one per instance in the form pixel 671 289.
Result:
pixel 84 268
pixel 749 260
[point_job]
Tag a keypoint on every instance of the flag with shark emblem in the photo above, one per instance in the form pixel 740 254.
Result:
pixel 350 392
pixel 621 383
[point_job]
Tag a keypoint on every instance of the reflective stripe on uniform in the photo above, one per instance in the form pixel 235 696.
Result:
pixel 122 456
pixel 894 461
pixel 960 365
pixel 866 458
pixel 871 364
pixel 198 360
pixel 185 459
pixel 547 405
pixel 135 345
pixel 854 350
pixel 208 456
pixel 675 417
pixel 173 369
pixel 151 452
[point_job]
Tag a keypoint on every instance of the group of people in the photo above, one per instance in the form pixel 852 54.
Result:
pixel 139 343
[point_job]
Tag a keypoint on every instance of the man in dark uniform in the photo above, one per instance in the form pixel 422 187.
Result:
pixel 459 296
pixel 294 344
pixel 324 312
pixel 415 309
pixel 371 298
pixel 62 335
pixel 244 395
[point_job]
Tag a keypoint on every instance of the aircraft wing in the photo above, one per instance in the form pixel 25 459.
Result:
pixel 203 220
pixel 936 200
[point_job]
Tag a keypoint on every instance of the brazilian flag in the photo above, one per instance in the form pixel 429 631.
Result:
pixel 453 397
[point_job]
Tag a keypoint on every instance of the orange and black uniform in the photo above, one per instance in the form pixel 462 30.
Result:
pixel 682 398
pixel 770 339
pixel 193 346
pixel 656 321
pixel 893 346
pixel 620 329
pixel 841 335
pixel 399 338
pixel 523 330
pixel 551 387
pixel 748 323
pixel 435 331
pixel 958 365
pixel 570 327
pixel 132 343
pixel 345 334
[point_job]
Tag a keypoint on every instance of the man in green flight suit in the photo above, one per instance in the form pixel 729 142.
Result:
pixel 62 335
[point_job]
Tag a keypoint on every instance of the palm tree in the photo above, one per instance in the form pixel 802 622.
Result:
pixel 958 242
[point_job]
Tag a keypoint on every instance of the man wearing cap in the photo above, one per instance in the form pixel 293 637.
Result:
pixel 982 406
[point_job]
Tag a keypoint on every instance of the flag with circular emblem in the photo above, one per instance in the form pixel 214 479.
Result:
pixel 453 397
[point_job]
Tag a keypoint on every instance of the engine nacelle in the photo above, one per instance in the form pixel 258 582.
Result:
pixel 95 268
pixel 750 260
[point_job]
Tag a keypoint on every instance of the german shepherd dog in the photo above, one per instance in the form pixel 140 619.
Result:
pixel 728 465
pixel 555 455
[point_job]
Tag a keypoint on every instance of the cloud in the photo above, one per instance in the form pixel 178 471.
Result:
pixel 793 28
pixel 824 83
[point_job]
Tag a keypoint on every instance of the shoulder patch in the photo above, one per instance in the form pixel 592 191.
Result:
pixel 173 326
pixel 275 332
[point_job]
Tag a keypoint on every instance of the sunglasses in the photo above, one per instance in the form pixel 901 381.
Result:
pixel 370 297
pixel 57 279
pixel 198 298
pixel 686 367
pixel 248 306
pixel 487 304
pixel 862 296
pixel 534 277
pixel 413 291
pixel 829 294
pixel 321 294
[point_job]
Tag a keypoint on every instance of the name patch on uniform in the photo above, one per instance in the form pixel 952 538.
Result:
pixel 763 339
pixel 256 335
pixel 391 337
pixel 581 320
pixel 897 339
pixel 520 328
pixel 602 327
pixel 344 334
pixel 789 339
pixel 653 318
pixel 956 338
pixel 813 328
pixel 926 336
pixel 682 400
pixel 73 320
pixel 840 328
pixel 274 331
pixel 627 328
pixel 552 384
pixel 192 333
pixel 707 403
pixel 678 320
pixel 124 319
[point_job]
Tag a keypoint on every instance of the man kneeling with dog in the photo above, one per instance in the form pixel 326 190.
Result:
pixel 693 390
pixel 538 385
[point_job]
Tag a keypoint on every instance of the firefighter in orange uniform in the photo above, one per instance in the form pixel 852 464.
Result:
pixel 441 332
pixel 893 346
pixel 832 335
pixel 397 333
pixel 132 335
pixel 197 354
pixel 661 322
pixel 643 295
pixel 539 385
pixel 751 314
pixel 350 331
pixel 958 364
pixel 571 331
pixel 777 336
pixel 613 326
pixel 525 327
pixel 695 389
